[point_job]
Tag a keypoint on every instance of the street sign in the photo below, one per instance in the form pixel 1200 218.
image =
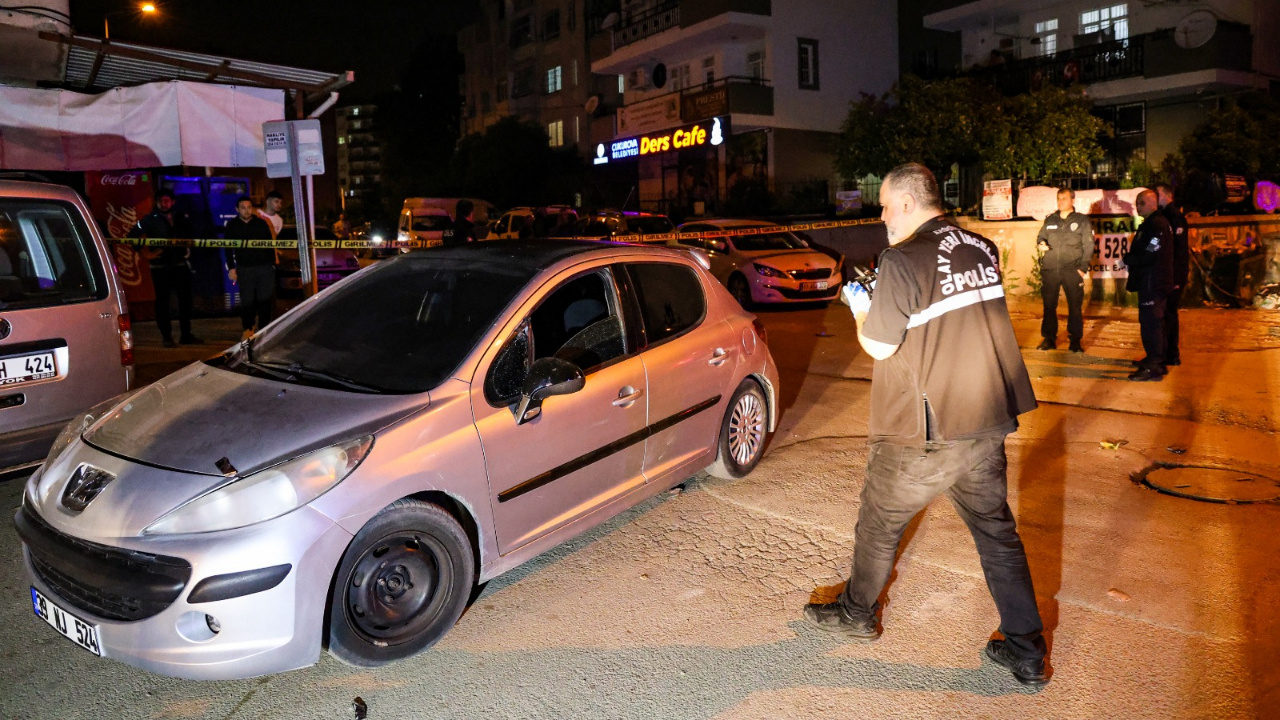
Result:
pixel 293 142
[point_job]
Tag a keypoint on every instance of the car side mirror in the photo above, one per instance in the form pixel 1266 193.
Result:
pixel 547 377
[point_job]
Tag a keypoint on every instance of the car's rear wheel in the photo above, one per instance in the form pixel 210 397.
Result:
pixel 740 290
pixel 742 433
pixel 402 584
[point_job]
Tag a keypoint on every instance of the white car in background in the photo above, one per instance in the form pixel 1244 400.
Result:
pixel 770 264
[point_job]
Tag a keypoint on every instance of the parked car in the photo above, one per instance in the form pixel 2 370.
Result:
pixel 507 226
pixel 348 477
pixel 66 342
pixel 332 264
pixel 771 265
pixel 426 219
pixel 614 224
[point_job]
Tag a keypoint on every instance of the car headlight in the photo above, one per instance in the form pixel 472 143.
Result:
pixel 79 425
pixel 767 271
pixel 267 493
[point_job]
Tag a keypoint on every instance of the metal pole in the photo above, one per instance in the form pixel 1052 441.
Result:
pixel 313 286
pixel 300 215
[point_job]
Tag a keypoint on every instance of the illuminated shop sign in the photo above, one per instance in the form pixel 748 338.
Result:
pixel 707 133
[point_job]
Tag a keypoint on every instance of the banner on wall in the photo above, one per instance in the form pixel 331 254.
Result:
pixel 118 200
pixel 997 200
pixel 1111 237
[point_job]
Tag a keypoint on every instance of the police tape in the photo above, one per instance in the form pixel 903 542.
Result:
pixel 219 243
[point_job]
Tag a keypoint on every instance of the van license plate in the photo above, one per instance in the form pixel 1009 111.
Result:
pixel 73 628
pixel 812 286
pixel 27 368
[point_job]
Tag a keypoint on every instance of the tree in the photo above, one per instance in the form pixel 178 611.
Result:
pixel 1237 138
pixel 938 123
pixel 1041 135
pixel 511 163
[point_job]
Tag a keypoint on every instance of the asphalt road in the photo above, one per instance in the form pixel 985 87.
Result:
pixel 688 606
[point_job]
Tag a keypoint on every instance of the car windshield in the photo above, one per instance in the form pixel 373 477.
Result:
pixel 769 241
pixel 427 223
pixel 401 327
pixel 650 224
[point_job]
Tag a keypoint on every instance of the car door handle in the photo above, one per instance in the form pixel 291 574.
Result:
pixel 719 357
pixel 627 396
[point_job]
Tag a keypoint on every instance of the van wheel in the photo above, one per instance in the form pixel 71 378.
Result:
pixel 402 584
pixel 742 433
pixel 740 290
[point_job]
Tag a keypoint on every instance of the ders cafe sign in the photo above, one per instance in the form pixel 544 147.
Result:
pixel 707 133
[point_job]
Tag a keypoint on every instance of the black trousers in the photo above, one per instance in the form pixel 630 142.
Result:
pixel 257 295
pixel 172 280
pixel 1171 353
pixel 1070 282
pixel 1151 319
pixel 901 481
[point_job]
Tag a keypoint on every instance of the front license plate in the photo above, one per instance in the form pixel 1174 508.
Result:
pixel 73 628
pixel 27 368
pixel 811 286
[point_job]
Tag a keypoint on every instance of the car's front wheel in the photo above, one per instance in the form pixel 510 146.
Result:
pixel 740 290
pixel 742 433
pixel 402 584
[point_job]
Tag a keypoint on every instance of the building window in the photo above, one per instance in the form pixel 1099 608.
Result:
pixel 521 31
pixel 555 133
pixel 551 25
pixel 1047 34
pixel 709 70
pixel 577 129
pixel 500 94
pixel 755 65
pixel 522 82
pixel 622 83
pixel 807 50
pixel 1112 23
pixel 680 77
pixel 555 79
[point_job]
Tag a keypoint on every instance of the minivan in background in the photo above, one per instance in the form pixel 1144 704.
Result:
pixel 66 343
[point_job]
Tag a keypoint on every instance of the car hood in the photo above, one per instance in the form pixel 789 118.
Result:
pixel 193 418
pixel 790 259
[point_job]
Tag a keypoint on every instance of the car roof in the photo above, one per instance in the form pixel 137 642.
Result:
pixel 26 189
pixel 538 255
pixel 735 223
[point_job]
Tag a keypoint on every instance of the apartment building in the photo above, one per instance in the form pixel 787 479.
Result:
pixel 529 58
pixel 1154 69
pixel 724 100
pixel 359 156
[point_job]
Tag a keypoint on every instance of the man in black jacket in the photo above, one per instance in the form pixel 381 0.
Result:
pixel 1150 263
pixel 1181 269
pixel 464 228
pixel 170 269
pixel 253 269
pixel 1066 241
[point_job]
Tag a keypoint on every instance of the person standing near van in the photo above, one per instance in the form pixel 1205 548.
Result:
pixel 253 269
pixel 170 269
pixel 464 227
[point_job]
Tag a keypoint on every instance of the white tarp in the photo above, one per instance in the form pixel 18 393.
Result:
pixel 148 126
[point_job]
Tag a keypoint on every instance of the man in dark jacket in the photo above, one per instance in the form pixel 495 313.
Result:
pixel 464 228
pixel 1150 263
pixel 170 269
pixel 253 269
pixel 1181 269
pixel 1066 241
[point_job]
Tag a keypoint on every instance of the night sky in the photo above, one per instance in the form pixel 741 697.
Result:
pixel 372 37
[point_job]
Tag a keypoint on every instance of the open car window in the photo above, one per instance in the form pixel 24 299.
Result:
pixel 578 322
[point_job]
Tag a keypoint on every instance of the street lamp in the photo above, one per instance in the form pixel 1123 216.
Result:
pixel 143 9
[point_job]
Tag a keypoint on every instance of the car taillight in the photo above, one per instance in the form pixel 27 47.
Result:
pixel 760 331
pixel 126 339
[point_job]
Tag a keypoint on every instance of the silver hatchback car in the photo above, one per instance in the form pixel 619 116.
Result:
pixel 66 342
pixel 347 478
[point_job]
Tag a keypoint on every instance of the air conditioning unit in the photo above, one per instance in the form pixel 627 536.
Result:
pixel 638 79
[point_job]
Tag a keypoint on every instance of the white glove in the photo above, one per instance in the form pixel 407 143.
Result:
pixel 856 297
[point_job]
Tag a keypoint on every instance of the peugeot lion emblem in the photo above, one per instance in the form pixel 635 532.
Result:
pixel 85 485
pixel 5 328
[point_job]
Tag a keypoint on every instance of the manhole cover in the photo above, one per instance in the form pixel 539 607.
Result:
pixel 1208 483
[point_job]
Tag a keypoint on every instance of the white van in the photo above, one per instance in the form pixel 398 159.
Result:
pixel 426 219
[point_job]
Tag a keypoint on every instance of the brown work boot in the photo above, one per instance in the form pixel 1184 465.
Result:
pixel 833 618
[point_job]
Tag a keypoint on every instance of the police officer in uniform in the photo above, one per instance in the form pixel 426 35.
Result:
pixel 1150 263
pixel 1181 269
pixel 947 387
pixel 1066 241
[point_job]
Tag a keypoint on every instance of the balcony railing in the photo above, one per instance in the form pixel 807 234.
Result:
pixel 635 28
pixel 1149 55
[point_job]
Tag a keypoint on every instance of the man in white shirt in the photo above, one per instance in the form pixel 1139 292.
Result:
pixel 271 212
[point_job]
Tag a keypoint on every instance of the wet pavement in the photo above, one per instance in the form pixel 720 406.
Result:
pixel 1156 605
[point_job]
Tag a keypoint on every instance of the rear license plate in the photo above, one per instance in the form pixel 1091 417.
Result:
pixel 810 286
pixel 27 368
pixel 73 628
